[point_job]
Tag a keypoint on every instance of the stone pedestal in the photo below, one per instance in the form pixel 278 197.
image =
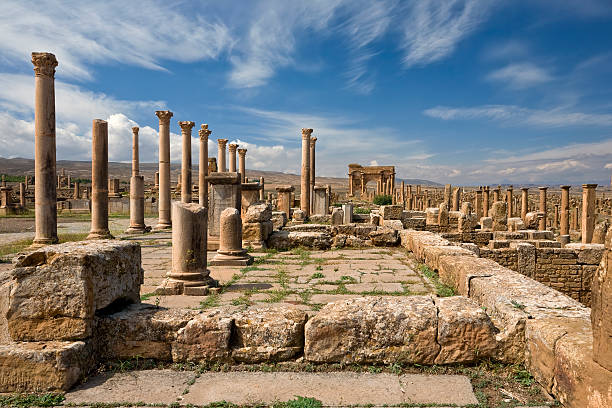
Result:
pixel 225 192
pixel 589 212
pixel 230 251
pixel 164 222
pixel 189 275
pixel 45 193
pixel 99 181
pixel 348 213
pixel 320 200
pixel 283 202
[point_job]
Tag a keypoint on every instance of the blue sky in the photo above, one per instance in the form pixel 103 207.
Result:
pixel 459 91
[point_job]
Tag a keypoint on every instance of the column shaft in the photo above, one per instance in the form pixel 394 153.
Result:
pixel 186 183
pixel 564 228
pixel 305 182
pixel 204 133
pixel 99 181
pixel 164 221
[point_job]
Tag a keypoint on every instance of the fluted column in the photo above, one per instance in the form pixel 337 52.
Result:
pixel 186 184
pixel 164 221
pixel 99 181
pixel 45 193
pixel 242 164
pixel 564 228
pixel 135 153
pixel 221 155
pixel 305 184
pixel 204 132
pixel 232 157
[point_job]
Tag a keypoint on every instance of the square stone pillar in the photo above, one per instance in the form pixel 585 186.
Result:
pixel 321 200
pixel 225 192
pixel 348 213
pixel 283 201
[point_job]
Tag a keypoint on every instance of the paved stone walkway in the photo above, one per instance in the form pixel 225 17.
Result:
pixel 332 389
pixel 307 279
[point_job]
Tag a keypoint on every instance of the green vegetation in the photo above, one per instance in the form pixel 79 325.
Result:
pixel 299 402
pixel 18 246
pixel 441 289
pixel 360 210
pixel 31 400
pixel 13 179
pixel 212 300
pixel 383 200
pixel 317 275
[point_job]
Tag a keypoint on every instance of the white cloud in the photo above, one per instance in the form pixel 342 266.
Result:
pixel 144 33
pixel 515 115
pixel 521 75
pixel 435 27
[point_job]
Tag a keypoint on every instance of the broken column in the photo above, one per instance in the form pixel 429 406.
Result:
pixel 204 132
pixel 305 184
pixel 456 198
pixel 478 204
pixel 261 189
pixel 242 164
pixel 524 202
pixel 509 201
pixel 45 193
pixel 543 221
pixel 230 252
pixel 137 224
pixel 77 187
pixel 164 221
pixel 221 143
pixel 283 201
pixel 232 157
pixel 499 215
pixel 564 227
pixel 186 184
pixel 99 181
pixel 589 213
pixel 189 275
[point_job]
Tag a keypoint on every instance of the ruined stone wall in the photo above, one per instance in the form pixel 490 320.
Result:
pixel 506 257
pixel 478 238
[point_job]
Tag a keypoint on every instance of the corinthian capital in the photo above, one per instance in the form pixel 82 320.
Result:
pixel 306 132
pixel 313 140
pixel 164 117
pixel 186 126
pixel 232 147
pixel 204 132
pixel 242 152
pixel 44 64
pixel 222 142
pixel 135 130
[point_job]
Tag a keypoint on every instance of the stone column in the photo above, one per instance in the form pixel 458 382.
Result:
pixel 232 157
pixel 22 198
pixel 283 202
pixel 189 275
pixel 242 164
pixel 556 217
pixel 510 201
pixel 221 155
pixel 77 190
pixel 230 252
pixel 564 228
pixel 313 141
pixel 588 212
pixel 447 195
pixel 305 185
pixel 204 132
pixel 543 224
pixel 137 224
pixel 186 184
pixel 524 202
pixel 350 177
pixel 261 189
pixel 496 195
pixel 99 181
pixel 478 204
pixel 45 193
pixel 575 223
pixel 164 221
pixel 456 199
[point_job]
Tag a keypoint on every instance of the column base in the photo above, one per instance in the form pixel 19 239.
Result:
pixel 174 286
pixel 163 226
pixel 232 258
pixel 100 235
pixel 43 242
pixel 138 229
pixel 212 243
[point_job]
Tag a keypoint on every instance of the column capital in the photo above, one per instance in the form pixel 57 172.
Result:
pixel 164 116
pixel 222 142
pixel 589 186
pixel 543 188
pixel 313 140
pixel 242 152
pixel 135 130
pixel 525 188
pixel 186 126
pixel 44 64
pixel 565 187
pixel 306 133
pixel 204 132
pixel 232 147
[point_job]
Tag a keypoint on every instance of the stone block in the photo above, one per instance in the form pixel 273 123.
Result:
pixel 337 217
pixel 515 224
pixel 391 212
pixel 260 212
pixel 268 334
pixel 499 244
pixel 384 237
pixel 316 240
pixel 601 312
pixel 43 366
pixel 417 223
pixel 205 338
pixel 143 331
pixel 536 235
pixel 279 240
pixel 432 215
pixel 55 291
pixel 374 330
pixel 432 254
pixel 393 224
pixel 486 224
pixel 588 254
pixel 279 219
pixel 256 231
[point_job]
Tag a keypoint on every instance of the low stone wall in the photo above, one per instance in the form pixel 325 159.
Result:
pixel 547 330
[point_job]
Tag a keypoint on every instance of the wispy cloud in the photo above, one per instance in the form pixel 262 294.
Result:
pixel 514 115
pixel 435 27
pixel 521 75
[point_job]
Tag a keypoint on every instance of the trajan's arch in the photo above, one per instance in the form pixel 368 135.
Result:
pixel 359 176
